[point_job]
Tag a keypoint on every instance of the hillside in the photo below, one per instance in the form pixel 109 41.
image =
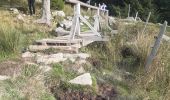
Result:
pixel 109 70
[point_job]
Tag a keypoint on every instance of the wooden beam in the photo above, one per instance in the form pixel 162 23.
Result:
pixel 156 47
pixel 81 3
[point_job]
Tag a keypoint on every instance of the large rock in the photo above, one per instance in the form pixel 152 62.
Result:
pixel 58 13
pixel 49 59
pixel 84 79
pixel 14 10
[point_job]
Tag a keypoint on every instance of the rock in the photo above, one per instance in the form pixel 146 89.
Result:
pixel 58 13
pixel 81 70
pixel 31 63
pixel 69 18
pixel 81 24
pixel 86 17
pixel 28 55
pixel 138 19
pixel 4 77
pixel 14 10
pixel 61 32
pixel 45 68
pixel 20 18
pixel 130 19
pixel 112 20
pixel 83 55
pixel 67 24
pixel 59 29
pixel 49 59
pixel 84 79
pixel 166 38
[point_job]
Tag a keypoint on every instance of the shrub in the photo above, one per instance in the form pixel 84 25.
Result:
pixel 57 4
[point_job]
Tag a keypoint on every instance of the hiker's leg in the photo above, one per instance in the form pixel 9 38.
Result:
pixel 29 5
pixel 33 6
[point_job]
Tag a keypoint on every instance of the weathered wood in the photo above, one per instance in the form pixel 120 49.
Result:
pixel 82 4
pixel 129 11
pixel 46 13
pixel 156 46
pixel 36 48
pixel 136 16
pixel 146 23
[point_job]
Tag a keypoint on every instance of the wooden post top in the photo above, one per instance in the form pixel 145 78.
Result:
pixel 82 4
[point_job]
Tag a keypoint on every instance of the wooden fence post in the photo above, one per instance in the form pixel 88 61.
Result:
pixel 146 23
pixel 129 11
pixel 156 46
pixel 136 16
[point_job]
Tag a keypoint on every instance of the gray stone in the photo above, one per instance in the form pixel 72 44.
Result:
pixel 166 38
pixel 84 79
pixel 28 55
pixel 69 18
pixel 67 24
pixel 14 10
pixel 49 59
pixel 130 19
pixel 4 77
pixel 45 68
pixel 20 18
pixel 58 13
pixel 86 17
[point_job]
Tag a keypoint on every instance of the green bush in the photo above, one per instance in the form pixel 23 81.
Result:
pixel 57 4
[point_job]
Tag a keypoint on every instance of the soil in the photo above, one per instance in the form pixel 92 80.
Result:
pixel 105 92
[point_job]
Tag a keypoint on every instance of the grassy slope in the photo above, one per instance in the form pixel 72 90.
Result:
pixel 118 63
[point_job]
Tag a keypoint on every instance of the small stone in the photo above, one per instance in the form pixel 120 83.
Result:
pixel 20 18
pixel 4 77
pixel 28 55
pixel 69 18
pixel 45 68
pixel 86 17
pixel 84 79
pixel 83 55
pixel 81 70
pixel 58 13
pixel 130 19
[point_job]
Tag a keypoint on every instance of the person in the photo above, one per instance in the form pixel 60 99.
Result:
pixel 104 6
pixel 88 2
pixel 31 6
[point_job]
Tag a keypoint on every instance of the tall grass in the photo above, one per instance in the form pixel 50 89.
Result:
pixel 9 38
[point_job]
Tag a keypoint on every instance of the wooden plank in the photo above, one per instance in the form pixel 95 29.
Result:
pixel 82 4
pixel 156 46
pixel 35 48
pixel 58 41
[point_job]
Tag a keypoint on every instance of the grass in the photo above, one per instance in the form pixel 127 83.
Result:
pixel 15 35
pixel 29 85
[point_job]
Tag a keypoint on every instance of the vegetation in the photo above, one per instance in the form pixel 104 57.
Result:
pixel 116 66
pixel 57 4
pixel 159 8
